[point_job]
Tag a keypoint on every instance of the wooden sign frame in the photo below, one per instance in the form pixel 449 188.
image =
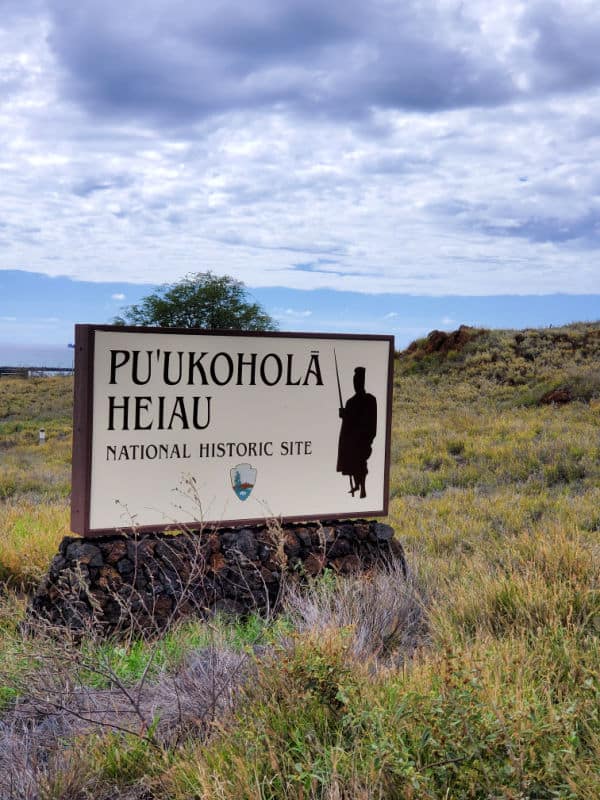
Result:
pixel 89 350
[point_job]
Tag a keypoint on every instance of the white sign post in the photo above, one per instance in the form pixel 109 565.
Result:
pixel 185 427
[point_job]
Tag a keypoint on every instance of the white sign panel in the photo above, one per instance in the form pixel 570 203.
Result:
pixel 188 427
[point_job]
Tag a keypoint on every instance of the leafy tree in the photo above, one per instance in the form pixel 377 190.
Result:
pixel 199 300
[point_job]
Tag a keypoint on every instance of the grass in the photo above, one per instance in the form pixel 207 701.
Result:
pixel 128 662
pixel 28 468
pixel 30 533
pixel 478 679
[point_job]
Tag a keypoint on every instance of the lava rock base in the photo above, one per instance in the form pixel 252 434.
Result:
pixel 145 583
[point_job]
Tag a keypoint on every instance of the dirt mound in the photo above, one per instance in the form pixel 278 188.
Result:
pixel 557 396
pixel 442 343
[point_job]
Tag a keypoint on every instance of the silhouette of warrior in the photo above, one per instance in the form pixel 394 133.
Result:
pixel 359 423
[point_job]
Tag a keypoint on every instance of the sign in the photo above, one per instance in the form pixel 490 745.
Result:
pixel 185 427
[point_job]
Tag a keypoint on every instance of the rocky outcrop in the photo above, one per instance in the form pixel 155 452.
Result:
pixel 145 583
pixel 441 343
pixel 557 396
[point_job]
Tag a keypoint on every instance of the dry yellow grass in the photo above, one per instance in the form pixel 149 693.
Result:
pixel 29 537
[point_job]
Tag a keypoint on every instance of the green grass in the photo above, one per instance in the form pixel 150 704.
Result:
pixel 496 500
pixel 128 662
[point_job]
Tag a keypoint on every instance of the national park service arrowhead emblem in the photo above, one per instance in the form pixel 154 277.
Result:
pixel 243 478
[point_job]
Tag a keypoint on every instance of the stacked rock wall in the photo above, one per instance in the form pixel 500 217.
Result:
pixel 145 583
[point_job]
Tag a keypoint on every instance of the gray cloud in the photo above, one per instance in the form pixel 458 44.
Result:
pixel 585 229
pixel 564 44
pixel 18 9
pixel 181 62
pixel 177 63
pixel 89 185
pixel 12 80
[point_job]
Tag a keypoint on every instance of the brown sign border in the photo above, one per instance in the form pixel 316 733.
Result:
pixel 81 470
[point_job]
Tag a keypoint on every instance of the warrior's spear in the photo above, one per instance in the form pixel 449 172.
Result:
pixel 337 375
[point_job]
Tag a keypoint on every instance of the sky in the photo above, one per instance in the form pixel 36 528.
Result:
pixel 378 166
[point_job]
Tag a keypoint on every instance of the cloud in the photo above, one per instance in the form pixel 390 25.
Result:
pixel 553 229
pixel 88 185
pixel 322 266
pixel 564 36
pixel 180 62
pixel 293 313
pixel 418 147
pixel 117 296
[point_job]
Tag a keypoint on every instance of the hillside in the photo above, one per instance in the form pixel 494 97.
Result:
pixel 540 360
pixel 478 677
